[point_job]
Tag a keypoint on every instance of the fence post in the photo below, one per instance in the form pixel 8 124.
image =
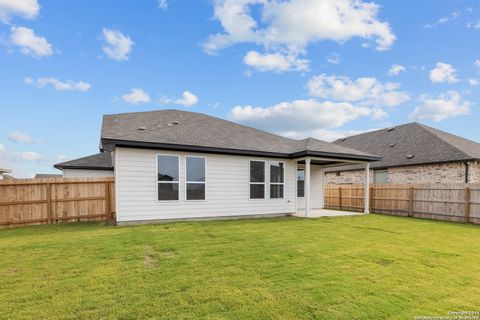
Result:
pixel 49 202
pixel 108 212
pixel 410 201
pixel 371 198
pixel 467 205
pixel 340 197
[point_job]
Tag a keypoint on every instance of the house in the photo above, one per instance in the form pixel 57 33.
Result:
pixel 412 153
pixel 3 174
pixel 97 165
pixel 172 164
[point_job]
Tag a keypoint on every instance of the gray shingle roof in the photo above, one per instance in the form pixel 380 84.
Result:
pixel 426 144
pixel 182 128
pixel 99 161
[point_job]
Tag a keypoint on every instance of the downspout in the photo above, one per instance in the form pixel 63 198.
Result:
pixel 466 172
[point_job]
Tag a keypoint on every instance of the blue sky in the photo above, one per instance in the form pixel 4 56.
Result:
pixel 299 68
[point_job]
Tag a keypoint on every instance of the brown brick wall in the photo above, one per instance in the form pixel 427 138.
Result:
pixel 432 173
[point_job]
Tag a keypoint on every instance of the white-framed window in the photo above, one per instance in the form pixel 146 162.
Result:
pixel 168 175
pixel 381 176
pixel 195 178
pixel 257 179
pixel 277 179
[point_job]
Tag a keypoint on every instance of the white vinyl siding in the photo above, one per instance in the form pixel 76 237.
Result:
pixel 227 194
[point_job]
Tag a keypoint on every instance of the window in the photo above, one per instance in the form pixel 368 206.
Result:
pixel 257 180
pixel 195 178
pixel 167 177
pixel 381 176
pixel 277 173
pixel 301 183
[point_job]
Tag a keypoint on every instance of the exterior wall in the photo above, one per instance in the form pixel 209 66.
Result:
pixel 348 177
pixel 420 174
pixel 474 172
pixel 80 173
pixel 227 188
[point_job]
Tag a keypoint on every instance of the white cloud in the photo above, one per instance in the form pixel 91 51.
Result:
pixel 379 114
pixel 276 62
pixel 396 69
pixel 18 136
pixel 362 90
pixel 27 9
pixel 280 32
pixel 29 156
pixel 446 105
pixel 477 63
pixel 473 25
pixel 453 16
pixel 473 82
pixel 163 4
pixel 59 85
pixel 443 72
pixel 298 117
pixel 136 96
pixel 314 20
pixel 188 99
pixel 117 46
pixel 334 58
pixel 30 43
pixel 2 148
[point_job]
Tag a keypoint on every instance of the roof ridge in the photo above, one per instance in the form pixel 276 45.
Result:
pixel 427 129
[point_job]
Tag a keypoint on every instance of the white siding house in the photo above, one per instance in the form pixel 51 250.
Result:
pixel 171 165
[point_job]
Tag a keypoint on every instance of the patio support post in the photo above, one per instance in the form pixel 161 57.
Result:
pixel 307 187
pixel 322 196
pixel 367 188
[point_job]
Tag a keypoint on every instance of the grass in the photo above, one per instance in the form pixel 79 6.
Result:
pixel 363 267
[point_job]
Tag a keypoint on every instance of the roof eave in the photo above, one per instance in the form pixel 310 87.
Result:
pixel 178 147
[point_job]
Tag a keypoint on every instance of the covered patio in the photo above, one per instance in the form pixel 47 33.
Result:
pixel 311 174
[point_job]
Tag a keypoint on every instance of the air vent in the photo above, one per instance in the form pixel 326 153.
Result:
pixel 391 129
pixel 392 145
pixel 410 156
pixel 343 139
pixel 142 128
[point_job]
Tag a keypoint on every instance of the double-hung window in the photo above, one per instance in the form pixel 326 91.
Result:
pixel 277 173
pixel 167 177
pixel 257 179
pixel 195 178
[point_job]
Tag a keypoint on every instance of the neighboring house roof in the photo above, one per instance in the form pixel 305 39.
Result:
pixel 99 161
pixel 8 177
pixel 47 175
pixel 398 144
pixel 191 131
pixel 4 171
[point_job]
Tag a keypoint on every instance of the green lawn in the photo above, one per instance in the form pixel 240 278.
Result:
pixel 363 267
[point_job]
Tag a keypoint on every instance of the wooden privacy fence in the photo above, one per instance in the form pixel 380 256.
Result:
pixel 450 202
pixel 45 201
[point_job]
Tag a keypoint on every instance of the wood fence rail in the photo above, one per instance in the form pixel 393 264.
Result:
pixel 46 201
pixel 450 202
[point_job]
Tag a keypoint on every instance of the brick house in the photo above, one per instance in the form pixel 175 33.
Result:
pixel 411 153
